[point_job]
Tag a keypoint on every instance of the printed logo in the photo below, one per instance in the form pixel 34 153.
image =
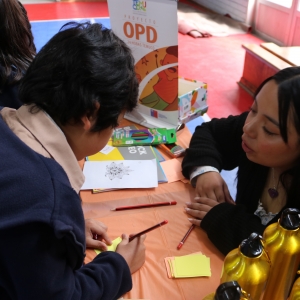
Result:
pixel 153 113
pixel 139 5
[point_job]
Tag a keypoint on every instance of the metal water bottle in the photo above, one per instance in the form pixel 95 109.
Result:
pixel 230 290
pixel 282 241
pixel 295 293
pixel 249 265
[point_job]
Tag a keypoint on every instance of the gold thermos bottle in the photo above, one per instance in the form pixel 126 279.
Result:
pixel 249 265
pixel 282 242
pixel 230 290
pixel 295 293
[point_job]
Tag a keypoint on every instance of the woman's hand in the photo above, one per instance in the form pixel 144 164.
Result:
pixel 199 208
pixel 133 252
pixel 211 185
pixel 96 235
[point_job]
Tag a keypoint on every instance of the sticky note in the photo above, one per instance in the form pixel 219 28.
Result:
pixel 113 246
pixel 192 265
pixel 172 169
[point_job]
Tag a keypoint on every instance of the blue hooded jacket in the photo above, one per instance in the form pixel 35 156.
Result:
pixel 42 235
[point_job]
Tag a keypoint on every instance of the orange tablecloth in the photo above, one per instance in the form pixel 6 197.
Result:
pixel 151 281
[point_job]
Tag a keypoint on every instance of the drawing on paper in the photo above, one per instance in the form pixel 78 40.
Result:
pixel 114 170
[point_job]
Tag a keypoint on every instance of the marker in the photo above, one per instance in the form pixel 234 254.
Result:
pixel 145 205
pixel 147 230
pixel 138 134
pixel 185 237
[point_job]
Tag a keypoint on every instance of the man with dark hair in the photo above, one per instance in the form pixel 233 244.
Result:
pixel 75 92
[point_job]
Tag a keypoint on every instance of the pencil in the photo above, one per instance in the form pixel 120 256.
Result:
pixel 145 205
pixel 185 237
pixel 147 230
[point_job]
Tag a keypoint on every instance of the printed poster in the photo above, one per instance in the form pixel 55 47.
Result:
pixel 150 29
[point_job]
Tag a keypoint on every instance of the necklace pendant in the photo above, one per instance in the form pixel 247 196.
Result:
pixel 273 193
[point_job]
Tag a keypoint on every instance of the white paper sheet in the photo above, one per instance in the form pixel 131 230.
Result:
pixel 120 174
pixel 107 149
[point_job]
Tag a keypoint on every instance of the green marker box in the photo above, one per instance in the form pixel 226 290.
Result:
pixel 150 136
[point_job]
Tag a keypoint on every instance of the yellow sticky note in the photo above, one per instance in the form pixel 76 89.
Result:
pixel 191 266
pixel 113 246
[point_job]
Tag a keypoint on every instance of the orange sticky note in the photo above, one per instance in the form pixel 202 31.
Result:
pixel 172 169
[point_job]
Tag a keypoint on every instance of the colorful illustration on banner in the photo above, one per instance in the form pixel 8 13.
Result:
pixel 161 92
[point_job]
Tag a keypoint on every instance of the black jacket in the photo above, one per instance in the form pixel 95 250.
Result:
pixel 218 143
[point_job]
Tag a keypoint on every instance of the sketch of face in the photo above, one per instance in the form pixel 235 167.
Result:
pixel 262 140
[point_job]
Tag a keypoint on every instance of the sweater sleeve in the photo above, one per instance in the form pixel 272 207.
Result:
pixel 42 268
pixel 216 143
pixel 228 225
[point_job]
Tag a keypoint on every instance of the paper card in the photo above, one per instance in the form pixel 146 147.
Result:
pixel 107 149
pixel 169 266
pixel 113 246
pixel 172 169
pixel 120 174
pixel 158 155
pixel 192 265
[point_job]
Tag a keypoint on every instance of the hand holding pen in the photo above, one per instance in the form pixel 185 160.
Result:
pixel 133 252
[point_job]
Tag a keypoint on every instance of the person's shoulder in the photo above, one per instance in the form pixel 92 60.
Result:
pixel 36 189
pixel 28 175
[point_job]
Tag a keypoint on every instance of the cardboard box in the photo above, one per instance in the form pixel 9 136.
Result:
pixel 192 99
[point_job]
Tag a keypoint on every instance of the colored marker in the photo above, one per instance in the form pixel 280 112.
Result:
pixel 185 237
pixel 147 230
pixel 145 205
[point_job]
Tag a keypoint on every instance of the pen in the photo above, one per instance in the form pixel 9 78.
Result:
pixel 185 237
pixel 145 205
pixel 147 230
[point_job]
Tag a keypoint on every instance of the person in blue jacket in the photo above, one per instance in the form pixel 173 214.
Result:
pixel 75 92
pixel 17 50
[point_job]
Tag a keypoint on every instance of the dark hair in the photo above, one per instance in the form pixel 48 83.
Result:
pixel 17 49
pixel 82 65
pixel 288 81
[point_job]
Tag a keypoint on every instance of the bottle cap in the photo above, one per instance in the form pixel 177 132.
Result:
pixel 290 218
pixel 230 290
pixel 252 246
